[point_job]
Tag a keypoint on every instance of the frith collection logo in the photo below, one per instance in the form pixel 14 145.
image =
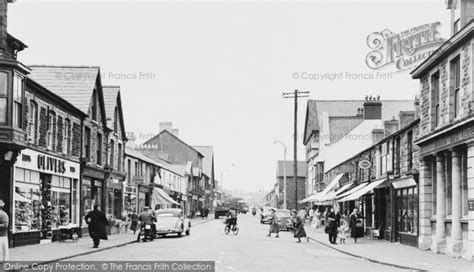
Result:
pixel 404 50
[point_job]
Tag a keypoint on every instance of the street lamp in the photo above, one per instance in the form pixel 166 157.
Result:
pixel 284 172
pixel 222 175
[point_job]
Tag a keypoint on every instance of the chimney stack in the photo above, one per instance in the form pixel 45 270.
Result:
pixel 166 126
pixel 377 135
pixel 175 132
pixel 417 107
pixel 406 117
pixel 131 140
pixel 372 108
pixel 391 126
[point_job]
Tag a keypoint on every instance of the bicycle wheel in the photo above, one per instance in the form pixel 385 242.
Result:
pixel 235 230
pixel 227 230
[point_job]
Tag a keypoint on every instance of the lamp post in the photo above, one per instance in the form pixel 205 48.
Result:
pixel 284 173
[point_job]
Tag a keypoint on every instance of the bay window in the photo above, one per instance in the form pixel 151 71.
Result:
pixel 17 101
pixel 3 97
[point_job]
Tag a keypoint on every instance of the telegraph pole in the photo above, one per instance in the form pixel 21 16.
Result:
pixel 296 94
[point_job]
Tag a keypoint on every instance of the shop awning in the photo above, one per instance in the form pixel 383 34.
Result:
pixel 161 197
pixel 363 191
pixel 333 194
pixel 323 195
pixel 353 190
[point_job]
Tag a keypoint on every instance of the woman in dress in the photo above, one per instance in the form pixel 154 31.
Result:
pixel 134 218
pixel 274 227
pixel 355 223
pixel 299 227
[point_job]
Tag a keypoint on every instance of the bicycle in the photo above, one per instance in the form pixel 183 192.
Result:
pixel 227 229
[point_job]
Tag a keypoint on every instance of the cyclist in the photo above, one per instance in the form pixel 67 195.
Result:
pixel 232 218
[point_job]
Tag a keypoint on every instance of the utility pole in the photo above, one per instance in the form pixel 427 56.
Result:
pixel 296 94
pixel 285 204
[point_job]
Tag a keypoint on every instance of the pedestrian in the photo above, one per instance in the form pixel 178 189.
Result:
pixel 325 217
pixel 274 227
pixel 97 222
pixel 356 225
pixel 317 215
pixel 332 226
pixel 343 229
pixel 298 225
pixel 4 221
pixel 134 225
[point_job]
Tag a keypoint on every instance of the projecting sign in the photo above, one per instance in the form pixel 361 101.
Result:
pixel 470 203
pixel 365 164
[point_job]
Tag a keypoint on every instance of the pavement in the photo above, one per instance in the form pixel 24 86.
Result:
pixel 393 254
pixel 57 251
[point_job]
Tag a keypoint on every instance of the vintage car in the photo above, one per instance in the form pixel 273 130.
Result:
pixel 171 221
pixel 284 219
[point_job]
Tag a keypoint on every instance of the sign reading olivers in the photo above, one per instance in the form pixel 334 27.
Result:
pixel 404 50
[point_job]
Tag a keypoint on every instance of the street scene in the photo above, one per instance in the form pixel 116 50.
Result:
pixel 257 135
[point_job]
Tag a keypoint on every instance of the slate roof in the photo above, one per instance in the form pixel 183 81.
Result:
pixel 152 140
pixel 340 126
pixel 112 98
pixel 208 152
pixel 163 164
pixel 302 169
pixel 73 83
pixel 345 108
pixel 357 140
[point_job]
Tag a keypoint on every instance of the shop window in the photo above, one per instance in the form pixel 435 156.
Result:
pixel 3 97
pixel 60 201
pixel 33 121
pixel 17 101
pixel 27 199
pixel 455 85
pixel 86 199
pixel 75 202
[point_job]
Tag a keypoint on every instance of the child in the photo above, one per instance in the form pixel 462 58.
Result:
pixel 343 229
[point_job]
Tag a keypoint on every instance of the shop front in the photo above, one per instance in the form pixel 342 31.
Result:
pixel 144 197
pixel 406 211
pixel 114 198
pixel 130 199
pixel 45 197
pixel 92 193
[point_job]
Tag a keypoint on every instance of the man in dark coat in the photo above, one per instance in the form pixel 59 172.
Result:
pixel 332 226
pixel 97 222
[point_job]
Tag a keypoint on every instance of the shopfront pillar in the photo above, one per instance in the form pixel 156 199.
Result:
pixel 469 250
pixel 425 208
pixel 455 245
pixel 439 244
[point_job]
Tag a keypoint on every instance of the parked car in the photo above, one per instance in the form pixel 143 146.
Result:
pixel 172 221
pixel 284 219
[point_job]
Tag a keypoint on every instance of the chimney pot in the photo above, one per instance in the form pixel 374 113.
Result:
pixel 372 110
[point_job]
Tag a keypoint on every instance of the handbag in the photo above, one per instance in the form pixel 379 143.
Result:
pixel 359 224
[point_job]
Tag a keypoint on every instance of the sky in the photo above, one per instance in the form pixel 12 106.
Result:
pixel 217 69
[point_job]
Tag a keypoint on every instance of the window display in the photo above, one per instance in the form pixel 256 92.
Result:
pixel 407 214
pixel 61 202
pixel 27 199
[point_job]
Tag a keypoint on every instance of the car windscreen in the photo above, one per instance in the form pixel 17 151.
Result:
pixel 165 215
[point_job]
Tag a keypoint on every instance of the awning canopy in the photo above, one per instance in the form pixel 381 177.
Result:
pixel 162 198
pixel 363 190
pixel 320 197
pixel 358 187
pixel 333 194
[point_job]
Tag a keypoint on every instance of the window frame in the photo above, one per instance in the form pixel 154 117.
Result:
pixel 17 97
pixel 4 96
pixel 99 148
pixel 455 70
pixel 435 99
pixel 87 143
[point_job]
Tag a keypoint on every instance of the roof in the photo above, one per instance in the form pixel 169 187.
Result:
pixel 339 126
pixel 73 83
pixel 207 161
pixel 112 98
pixel 357 140
pixel 174 136
pixel 347 108
pixel 302 168
pixel 162 164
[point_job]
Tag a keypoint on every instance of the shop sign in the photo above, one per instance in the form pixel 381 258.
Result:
pixel 365 164
pixel 405 50
pixel 44 163
pixel 470 204
pixel 195 197
pixel 114 183
pixel 404 183
pixel 448 140
pixel 139 180
pixel 130 190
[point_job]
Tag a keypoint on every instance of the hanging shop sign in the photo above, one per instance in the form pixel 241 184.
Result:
pixel 470 203
pixel 45 163
pixel 365 164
